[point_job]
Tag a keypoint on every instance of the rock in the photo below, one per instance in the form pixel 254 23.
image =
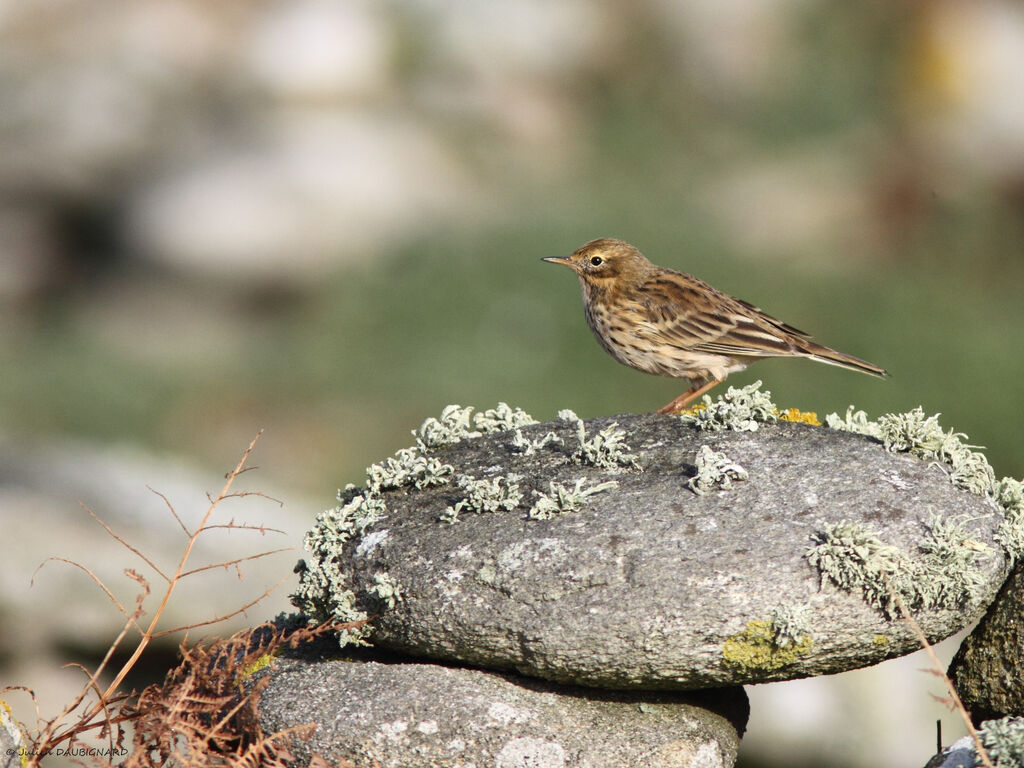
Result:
pixel 12 739
pixel 959 754
pixel 649 584
pixel 413 715
pixel 1003 740
pixel 988 670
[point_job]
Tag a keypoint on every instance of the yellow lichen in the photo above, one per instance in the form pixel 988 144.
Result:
pixel 880 640
pixel 800 417
pixel 754 648
pixel 263 661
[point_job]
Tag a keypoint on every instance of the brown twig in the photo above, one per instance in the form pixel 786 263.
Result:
pixel 954 697
pixel 148 634
pixel 107 713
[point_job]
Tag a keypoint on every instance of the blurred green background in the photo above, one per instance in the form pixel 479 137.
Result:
pixel 327 219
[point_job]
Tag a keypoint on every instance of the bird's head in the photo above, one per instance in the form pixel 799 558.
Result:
pixel 605 261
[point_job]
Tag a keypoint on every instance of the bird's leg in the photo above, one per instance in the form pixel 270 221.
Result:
pixel 689 396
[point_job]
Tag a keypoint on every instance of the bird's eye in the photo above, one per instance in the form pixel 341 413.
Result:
pixel 597 261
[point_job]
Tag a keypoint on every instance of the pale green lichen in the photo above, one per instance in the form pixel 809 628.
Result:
pixel 791 625
pixel 568 414
pixel 525 446
pixel 715 470
pixel 502 419
pixel 1004 741
pixel 485 495
pixel 458 423
pixel 324 593
pixel 854 421
pixel 944 572
pixel 1010 534
pixel 606 449
pixel 386 589
pixel 756 649
pixel 409 466
pixel 921 435
pixel 740 410
pixel 913 432
pixel 561 499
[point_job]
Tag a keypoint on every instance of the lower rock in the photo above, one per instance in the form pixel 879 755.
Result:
pixel 413 715
pixel 988 670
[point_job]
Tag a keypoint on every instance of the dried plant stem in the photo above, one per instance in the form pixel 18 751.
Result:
pixel 108 711
pixel 954 697
pixel 151 629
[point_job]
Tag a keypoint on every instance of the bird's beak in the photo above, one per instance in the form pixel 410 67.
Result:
pixel 565 262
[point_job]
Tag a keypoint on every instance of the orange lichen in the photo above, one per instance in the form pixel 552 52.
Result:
pixel 799 417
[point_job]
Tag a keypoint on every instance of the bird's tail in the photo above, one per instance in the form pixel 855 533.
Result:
pixel 827 355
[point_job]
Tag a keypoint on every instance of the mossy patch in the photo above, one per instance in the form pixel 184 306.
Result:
pixel 756 649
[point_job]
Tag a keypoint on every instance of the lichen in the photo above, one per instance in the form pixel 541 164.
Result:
pixel 922 436
pixel 756 649
pixel 409 466
pixel 797 416
pixel 791 625
pixel 502 419
pixel 715 470
pixel 525 446
pixel 880 639
pixel 324 593
pixel 854 421
pixel 257 664
pixel 1009 495
pixel 606 449
pixel 1004 741
pixel 740 410
pixel 458 423
pixel 944 572
pixel 386 589
pixel 560 498
pixel 485 495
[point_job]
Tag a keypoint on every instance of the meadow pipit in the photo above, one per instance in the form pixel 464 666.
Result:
pixel 668 323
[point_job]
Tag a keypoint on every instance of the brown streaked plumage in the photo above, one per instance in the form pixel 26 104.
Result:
pixel 669 323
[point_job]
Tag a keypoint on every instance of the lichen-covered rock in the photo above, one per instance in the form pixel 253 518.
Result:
pixel 425 715
pixel 988 670
pixel 581 551
pixel 1003 740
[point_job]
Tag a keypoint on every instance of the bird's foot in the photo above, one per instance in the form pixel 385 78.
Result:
pixel 688 397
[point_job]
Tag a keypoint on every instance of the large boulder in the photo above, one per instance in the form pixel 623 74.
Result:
pixel 654 553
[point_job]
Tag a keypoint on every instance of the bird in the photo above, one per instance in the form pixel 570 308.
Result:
pixel 669 323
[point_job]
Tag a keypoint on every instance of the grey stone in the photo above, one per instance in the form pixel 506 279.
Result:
pixel 959 754
pixel 651 585
pixel 413 715
pixel 12 739
pixel 988 670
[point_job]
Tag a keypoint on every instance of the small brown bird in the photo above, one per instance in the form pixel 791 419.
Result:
pixel 668 323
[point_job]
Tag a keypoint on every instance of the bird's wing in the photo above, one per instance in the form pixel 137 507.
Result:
pixel 685 312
